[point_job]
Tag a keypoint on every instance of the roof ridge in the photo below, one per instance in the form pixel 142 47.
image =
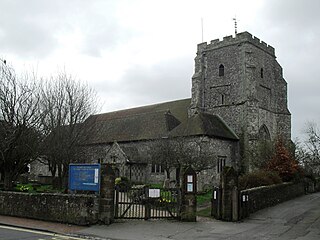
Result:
pixel 138 114
pixel 144 106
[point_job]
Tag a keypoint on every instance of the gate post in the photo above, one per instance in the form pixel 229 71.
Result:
pixel 216 203
pixel 244 205
pixel 189 195
pixel 106 210
pixel 147 207
pixel 229 195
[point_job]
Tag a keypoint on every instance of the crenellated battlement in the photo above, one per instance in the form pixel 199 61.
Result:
pixel 240 37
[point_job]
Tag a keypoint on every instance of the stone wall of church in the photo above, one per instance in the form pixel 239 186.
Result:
pixel 212 151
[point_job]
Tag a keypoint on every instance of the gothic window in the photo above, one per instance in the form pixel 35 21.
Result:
pixel 261 72
pixel 221 163
pixel 156 168
pixel 221 70
pixel 264 134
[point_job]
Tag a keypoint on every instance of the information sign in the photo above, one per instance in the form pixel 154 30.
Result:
pixel 85 177
pixel 154 193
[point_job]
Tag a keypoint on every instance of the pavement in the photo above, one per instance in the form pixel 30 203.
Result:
pixel 295 219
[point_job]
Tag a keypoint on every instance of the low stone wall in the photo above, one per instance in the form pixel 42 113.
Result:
pixel 68 208
pixel 258 198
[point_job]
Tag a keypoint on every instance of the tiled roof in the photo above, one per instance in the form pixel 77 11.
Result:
pixel 154 122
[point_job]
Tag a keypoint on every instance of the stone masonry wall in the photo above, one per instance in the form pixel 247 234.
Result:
pixel 250 94
pixel 267 196
pixel 214 148
pixel 66 208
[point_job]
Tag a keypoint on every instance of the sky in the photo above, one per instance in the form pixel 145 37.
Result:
pixel 139 52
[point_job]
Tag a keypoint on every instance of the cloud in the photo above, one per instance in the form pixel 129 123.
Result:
pixel 35 28
pixel 143 84
pixel 26 27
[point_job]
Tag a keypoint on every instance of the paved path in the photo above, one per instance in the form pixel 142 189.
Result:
pixel 295 219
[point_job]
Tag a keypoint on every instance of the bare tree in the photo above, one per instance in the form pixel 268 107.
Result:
pixel 308 153
pixel 176 153
pixel 19 123
pixel 67 103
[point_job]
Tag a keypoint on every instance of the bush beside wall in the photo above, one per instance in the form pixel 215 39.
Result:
pixel 267 196
pixel 74 209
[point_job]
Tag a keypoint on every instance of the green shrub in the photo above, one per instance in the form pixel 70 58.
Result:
pixel 24 187
pixel 258 178
pixel 122 182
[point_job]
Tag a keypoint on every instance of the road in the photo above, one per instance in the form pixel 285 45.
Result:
pixel 295 219
pixel 8 233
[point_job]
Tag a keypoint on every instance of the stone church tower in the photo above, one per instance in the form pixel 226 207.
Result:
pixel 240 80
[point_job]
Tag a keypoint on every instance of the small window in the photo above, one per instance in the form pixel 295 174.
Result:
pixel 261 72
pixel 221 163
pixel 221 70
pixel 156 168
pixel 222 99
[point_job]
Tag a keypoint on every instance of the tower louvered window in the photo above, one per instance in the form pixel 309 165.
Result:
pixel 221 70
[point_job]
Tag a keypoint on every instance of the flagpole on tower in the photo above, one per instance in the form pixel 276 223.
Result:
pixel 201 29
pixel 235 25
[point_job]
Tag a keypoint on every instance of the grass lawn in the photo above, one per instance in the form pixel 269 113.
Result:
pixel 204 198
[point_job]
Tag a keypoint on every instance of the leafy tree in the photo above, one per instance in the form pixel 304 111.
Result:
pixel 283 163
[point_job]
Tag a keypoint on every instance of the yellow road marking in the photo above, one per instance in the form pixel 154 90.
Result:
pixel 55 235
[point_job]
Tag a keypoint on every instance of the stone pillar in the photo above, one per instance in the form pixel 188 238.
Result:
pixel 189 195
pixel 229 184
pixel 235 204
pixel 216 203
pixel 107 187
pixel 244 205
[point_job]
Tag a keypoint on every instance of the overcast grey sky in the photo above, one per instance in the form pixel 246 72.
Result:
pixel 139 52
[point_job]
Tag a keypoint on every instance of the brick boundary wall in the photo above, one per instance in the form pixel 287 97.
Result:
pixel 67 208
pixel 267 196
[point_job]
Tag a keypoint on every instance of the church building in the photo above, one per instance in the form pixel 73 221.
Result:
pixel 239 97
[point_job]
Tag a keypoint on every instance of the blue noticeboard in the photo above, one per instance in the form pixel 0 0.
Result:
pixel 84 177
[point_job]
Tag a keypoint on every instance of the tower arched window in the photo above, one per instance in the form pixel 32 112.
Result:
pixel 261 72
pixel 264 134
pixel 221 70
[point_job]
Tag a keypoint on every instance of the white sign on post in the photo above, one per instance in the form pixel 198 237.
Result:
pixel 154 193
pixel 96 175
pixel 190 179
pixel 190 187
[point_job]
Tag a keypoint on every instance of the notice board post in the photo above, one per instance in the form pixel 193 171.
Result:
pixel 189 195
pixel 106 211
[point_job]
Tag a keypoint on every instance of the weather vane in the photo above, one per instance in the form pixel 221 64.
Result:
pixel 235 25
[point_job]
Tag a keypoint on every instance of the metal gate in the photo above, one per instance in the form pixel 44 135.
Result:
pixel 146 203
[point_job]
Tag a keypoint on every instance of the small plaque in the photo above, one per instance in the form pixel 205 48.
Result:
pixel 190 187
pixel 190 179
pixel 215 195
pixel 96 175
pixel 154 193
